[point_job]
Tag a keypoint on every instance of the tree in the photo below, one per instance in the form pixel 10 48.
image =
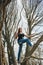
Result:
pixel 6 35
pixel 30 10
pixel 2 16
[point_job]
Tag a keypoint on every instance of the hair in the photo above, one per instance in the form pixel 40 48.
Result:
pixel 19 30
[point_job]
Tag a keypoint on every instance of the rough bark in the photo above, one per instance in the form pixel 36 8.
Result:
pixel 2 53
pixel 3 4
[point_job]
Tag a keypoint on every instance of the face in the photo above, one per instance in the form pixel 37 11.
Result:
pixel 20 29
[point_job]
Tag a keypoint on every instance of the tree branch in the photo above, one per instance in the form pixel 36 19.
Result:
pixel 34 48
pixel 36 58
pixel 38 21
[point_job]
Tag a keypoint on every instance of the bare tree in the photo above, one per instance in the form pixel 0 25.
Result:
pixel 9 28
pixel 32 22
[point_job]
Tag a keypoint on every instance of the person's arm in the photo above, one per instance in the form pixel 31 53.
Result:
pixel 28 36
pixel 15 35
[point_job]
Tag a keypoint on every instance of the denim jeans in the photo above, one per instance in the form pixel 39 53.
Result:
pixel 20 42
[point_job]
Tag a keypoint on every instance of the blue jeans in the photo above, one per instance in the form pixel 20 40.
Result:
pixel 20 42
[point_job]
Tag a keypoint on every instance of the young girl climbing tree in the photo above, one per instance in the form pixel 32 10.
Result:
pixel 19 36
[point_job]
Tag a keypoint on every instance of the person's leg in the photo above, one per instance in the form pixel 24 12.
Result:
pixel 28 42
pixel 20 49
pixel 25 40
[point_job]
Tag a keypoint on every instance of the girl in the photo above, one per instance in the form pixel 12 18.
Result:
pixel 21 40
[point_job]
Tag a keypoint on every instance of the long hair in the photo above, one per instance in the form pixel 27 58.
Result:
pixel 19 30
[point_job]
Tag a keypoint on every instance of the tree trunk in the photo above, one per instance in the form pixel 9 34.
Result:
pixel 3 4
pixel 2 53
pixel 10 49
pixel 0 50
pixel 11 55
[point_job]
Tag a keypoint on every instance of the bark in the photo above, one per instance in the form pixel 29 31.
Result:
pixel 11 55
pixel 3 4
pixel 2 53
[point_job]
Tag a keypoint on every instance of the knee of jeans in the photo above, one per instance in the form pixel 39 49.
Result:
pixel 27 39
pixel 30 44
